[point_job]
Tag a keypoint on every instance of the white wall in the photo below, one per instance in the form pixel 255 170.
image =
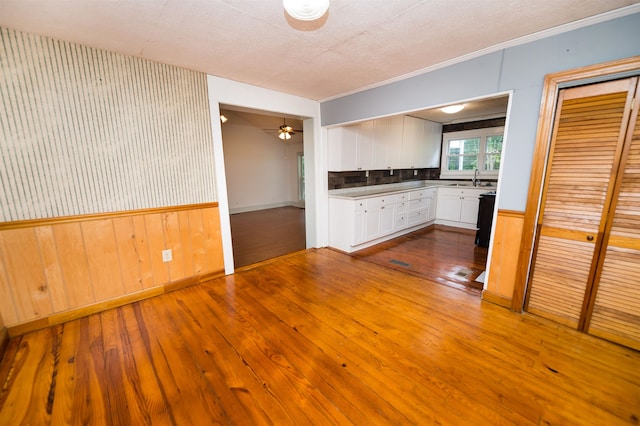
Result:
pixel 261 169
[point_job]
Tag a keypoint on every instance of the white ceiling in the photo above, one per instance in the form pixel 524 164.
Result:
pixel 359 44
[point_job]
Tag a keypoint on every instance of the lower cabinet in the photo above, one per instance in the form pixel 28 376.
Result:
pixel 458 207
pixel 355 224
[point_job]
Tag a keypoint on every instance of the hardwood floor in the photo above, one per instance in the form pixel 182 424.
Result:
pixel 442 254
pixel 317 337
pixel 265 234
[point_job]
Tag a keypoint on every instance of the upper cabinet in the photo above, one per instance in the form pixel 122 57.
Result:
pixel 421 141
pixel 387 143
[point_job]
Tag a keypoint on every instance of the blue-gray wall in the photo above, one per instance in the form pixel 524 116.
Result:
pixel 520 69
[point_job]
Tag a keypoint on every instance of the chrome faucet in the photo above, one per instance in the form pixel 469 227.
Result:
pixel 475 179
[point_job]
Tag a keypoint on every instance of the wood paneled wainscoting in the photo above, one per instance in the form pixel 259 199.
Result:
pixel 55 270
pixel 504 257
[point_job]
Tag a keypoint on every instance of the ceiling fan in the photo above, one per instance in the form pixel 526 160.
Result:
pixel 285 131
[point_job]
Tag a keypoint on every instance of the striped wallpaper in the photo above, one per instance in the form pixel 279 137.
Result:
pixel 84 131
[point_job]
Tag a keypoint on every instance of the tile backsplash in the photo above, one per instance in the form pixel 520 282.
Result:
pixel 339 180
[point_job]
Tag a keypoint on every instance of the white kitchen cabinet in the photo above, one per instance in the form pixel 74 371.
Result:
pixel 401 211
pixel 364 152
pixel 387 142
pixel 379 216
pixel 433 144
pixel 342 147
pixel 358 233
pixel 458 206
pixel 356 224
pixel 350 148
pixel 421 142
pixel 418 207
pixel 432 195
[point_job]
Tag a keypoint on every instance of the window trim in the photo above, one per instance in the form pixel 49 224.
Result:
pixel 469 134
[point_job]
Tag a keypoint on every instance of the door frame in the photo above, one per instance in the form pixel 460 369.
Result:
pixel 552 84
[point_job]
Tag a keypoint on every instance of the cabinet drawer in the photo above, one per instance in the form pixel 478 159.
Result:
pixel 416 217
pixel 377 202
pixel 416 195
pixel 418 204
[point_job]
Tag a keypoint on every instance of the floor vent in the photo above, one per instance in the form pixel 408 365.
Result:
pixel 401 263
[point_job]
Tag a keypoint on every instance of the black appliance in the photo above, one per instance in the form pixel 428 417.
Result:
pixel 485 218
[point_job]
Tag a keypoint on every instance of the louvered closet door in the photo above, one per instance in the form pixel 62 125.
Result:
pixel 616 311
pixel 585 146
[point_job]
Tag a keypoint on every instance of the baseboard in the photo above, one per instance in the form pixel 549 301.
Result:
pixel 247 209
pixel 73 314
pixel 496 299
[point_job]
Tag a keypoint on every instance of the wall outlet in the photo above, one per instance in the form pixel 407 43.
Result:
pixel 415 173
pixel 167 256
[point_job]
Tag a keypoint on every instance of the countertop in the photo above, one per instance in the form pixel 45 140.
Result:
pixel 368 191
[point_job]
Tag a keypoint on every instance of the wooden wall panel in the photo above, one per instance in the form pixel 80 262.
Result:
pixel 173 241
pixel 21 255
pixel 49 268
pixel 196 227
pixel 185 243
pixel 8 308
pixel 102 257
pixel 504 255
pixel 155 238
pixel 213 239
pixel 128 254
pixel 74 263
pixel 142 251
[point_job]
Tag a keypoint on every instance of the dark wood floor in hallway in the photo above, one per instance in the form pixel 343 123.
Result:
pixel 318 337
pixel 265 234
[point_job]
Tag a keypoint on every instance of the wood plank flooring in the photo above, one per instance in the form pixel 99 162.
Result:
pixel 318 337
pixel 265 234
pixel 442 254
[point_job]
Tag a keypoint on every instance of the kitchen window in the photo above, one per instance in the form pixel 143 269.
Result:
pixel 464 152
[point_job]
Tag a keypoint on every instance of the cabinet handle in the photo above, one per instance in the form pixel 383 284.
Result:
pixel 589 237
pixel 382 208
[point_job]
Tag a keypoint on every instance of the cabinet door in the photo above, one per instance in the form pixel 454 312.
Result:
pixel 387 219
pixel 587 139
pixel 382 138
pixel 449 204
pixel 469 204
pixel 342 148
pixel 411 132
pixel 372 223
pixel 359 232
pixel 433 144
pixel 432 196
pixel 400 215
pixel 365 146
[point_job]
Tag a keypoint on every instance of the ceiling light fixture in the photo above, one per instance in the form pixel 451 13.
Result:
pixel 306 10
pixel 452 109
pixel 284 136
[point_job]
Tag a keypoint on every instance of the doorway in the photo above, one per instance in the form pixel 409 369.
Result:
pixel 265 184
